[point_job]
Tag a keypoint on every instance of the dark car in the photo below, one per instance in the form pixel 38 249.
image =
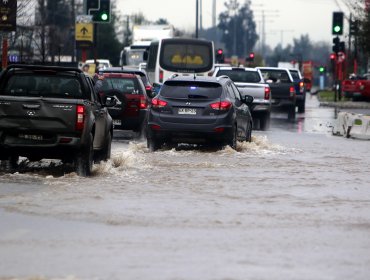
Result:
pixel 199 110
pixel 300 89
pixel 128 89
pixel 54 113
pixel 129 70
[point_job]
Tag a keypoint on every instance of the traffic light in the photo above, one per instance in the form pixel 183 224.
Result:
pixel 220 56
pixel 332 56
pixel 336 43
pixel 102 13
pixel 322 70
pixel 250 58
pixel 353 27
pixel 337 28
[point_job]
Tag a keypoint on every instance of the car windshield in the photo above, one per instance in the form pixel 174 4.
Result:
pixel 125 85
pixel 185 90
pixel 241 76
pixel 56 86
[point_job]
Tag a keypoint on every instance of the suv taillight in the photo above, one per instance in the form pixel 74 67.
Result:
pixel 80 117
pixel 222 105
pixel 292 91
pixel 267 93
pixel 158 103
pixel 143 103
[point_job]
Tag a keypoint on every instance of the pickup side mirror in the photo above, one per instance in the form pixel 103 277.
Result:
pixel 110 101
pixel 156 88
pixel 247 99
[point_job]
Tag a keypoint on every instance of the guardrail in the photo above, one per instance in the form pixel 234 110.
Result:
pixel 352 125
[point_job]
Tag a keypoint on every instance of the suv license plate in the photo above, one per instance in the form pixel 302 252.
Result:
pixel 31 136
pixel 117 122
pixel 187 111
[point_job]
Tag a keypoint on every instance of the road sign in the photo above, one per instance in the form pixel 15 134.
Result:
pixel 84 32
pixel 8 15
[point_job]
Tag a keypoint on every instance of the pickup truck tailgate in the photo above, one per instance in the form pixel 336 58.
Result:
pixel 49 115
pixel 255 90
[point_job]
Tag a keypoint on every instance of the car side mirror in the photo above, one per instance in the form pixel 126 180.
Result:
pixel 306 80
pixel 247 99
pixel 269 81
pixel 110 101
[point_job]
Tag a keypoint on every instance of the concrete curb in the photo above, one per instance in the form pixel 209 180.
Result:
pixel 346 105
pixel 352 125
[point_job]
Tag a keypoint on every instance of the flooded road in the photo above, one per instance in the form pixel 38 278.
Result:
pixel 294 204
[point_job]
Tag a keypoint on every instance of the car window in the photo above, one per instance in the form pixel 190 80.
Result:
pixel 241 76
pixel 295 74
pixel 276 75
pixel 125 85
pixel 236 91
pixel 56 86
pixel 185 89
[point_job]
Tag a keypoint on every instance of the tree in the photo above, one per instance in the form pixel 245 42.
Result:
pixel 239 28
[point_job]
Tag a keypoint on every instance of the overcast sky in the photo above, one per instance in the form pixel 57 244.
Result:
pixel 284 19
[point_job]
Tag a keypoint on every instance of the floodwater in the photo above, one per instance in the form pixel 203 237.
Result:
pixel 293 204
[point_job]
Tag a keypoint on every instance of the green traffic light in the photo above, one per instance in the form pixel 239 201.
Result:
pixel 336 28
pixel 104 16
pixel 322 69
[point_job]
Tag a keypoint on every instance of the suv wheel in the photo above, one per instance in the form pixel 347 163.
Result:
pixel 233 138
pixel 84 159
pixel 153 144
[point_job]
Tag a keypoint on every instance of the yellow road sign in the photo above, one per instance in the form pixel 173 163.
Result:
pixel 84 32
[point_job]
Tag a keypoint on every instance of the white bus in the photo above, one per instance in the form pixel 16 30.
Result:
pixel 179 56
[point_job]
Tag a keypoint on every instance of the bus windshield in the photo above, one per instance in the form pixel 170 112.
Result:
pixel 186 55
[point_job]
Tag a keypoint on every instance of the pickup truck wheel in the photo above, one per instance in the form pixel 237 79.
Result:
pixel 84 159
pixel 10 164
pixel 153 144
pixel 301 107
pixel 265 121
pixel 291 113
pixel 105 153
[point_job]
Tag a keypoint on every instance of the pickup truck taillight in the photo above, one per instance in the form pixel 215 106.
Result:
pixel 267 93
pixel 80 117
pixel 292 91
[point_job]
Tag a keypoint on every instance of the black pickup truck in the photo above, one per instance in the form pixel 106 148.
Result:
pixel 283 92
pixel 49 112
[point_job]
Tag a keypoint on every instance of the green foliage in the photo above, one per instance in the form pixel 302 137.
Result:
pixel 239 28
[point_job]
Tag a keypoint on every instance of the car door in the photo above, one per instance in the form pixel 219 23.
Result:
pixel 243 111
pixel 101 117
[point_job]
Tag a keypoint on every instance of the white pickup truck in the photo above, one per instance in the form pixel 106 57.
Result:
pixel 249 81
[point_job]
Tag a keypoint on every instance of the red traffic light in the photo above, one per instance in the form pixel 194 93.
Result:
pixel 251 55
pixel 220 51
pixel 332 56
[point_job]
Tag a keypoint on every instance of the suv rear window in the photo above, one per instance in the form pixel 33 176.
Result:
pixel 185 89
pixel 125 85
pixel 241 76
pixel 56 86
